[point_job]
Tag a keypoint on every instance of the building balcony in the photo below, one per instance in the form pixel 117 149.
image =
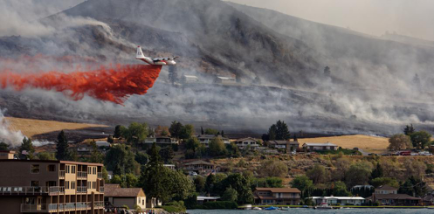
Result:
pixel 99 175
pixel 23 190
pixel 101 189
pixel 82 189
pixel 61 174
pixel 81 175
pixel 50 208
pixel 99 204
pixel 33 208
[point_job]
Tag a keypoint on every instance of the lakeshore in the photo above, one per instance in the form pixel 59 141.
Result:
pixel 307 211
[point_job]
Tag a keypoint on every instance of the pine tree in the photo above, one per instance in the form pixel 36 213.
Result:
pixel 223 133
pixel 27 146
pixel 62 146
pixel 201 130
pixel 408 130
pixel 295 137
pixel 377 172
pixel 272 132
pixel 282 132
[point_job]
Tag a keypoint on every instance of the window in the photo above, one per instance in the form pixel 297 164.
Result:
pixel 143 202
pixel 67 169
pixel 34 183
pixel 94 185
pixel 66 184
pixel 73 169
pixel 89 170
pixel 94 170
pixel 35 168
pixel 72 184
pixel 89 185
pixel 51 168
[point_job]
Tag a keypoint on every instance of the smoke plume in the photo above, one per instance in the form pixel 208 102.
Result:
pixel 114 83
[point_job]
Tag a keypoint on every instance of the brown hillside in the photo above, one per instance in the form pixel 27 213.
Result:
pixel 364 142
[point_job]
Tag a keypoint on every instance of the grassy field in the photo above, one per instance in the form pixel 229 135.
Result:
pixel 31 127
pixel 366 143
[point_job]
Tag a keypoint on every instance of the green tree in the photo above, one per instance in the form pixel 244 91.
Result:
pixel 304 184
pixel 211 131
pixel 377 172
pixel 4 146
pixel 167 154
pixel 399 142
pixel 116 179
pixel 27 146
pixel 121 160
pixel 241 185
pixel 73 155
pixel 380 181
pixel 175 129
pixel 340 189
pixel 199 183
pixel 317 174
pixel 141 158
pixel 358 174
pixel 272 132
pixel 230 194
pixel 273 168
pixel 118 131
pixel 187 132
pixel 413 186
pixel 210 183
pixel 282 132
pixel 46 156
pixel 420 139
pixel 217 147
pixel 409 129
pixel 62 146
pixel 274 182
pixel 105 174
pixel 136 132
pixel 95 155
pixel 131 180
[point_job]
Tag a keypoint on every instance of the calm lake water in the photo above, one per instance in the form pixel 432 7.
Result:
pixel 308 211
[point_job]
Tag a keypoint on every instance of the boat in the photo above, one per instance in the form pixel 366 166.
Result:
pixel 323 206
pixel 285 208
pixel 256 208
pixel 248 207
pixel 271 208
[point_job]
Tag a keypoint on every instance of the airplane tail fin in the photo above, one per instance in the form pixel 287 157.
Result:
pixel 139 54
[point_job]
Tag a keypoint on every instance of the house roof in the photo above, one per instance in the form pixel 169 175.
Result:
pixel 202 198
pixel 114 190
pixel 278 190
pixel 246 139
pixel 394 197
pixel 199 162
pixel 320 144
pixel 386 187
pixel 102 143
pixel 283 142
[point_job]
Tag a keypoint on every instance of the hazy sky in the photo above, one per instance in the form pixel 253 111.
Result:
pixel 407 17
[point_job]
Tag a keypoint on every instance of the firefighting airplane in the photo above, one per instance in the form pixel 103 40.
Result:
pixel 155 61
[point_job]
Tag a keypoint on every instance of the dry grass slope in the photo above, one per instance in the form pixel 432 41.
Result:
pixel 31 127
pixel 364 142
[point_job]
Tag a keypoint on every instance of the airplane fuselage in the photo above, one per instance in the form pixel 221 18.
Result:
pixel 155 61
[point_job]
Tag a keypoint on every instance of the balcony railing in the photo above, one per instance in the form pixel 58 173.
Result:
pixel 61 173
pixel 26 190
pixel 99 174
pixel 82 189
pixel 101 189
pixel 33 208
pixel 82 175
pixel 99 204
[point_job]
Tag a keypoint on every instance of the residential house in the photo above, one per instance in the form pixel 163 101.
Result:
pixel 277 196
pixel 116 196
pixel 83 149
pixel 103 146
pixel 288 146
pixel 203 199
pixel 206 139
pixel 200 166
pixel 189 79
pixel 170 166
pixel 386 195
pixel 338 200
pixel 224 80
pixel 45 186
pixel 161 140
pixel 249 142
pixel 4 155
pixel 320 146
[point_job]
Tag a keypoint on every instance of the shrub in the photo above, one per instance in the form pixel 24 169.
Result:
pixel 175 207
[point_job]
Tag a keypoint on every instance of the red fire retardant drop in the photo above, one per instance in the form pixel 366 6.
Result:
pixel 114 84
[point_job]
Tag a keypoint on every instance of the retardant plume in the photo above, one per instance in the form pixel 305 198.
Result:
pixel 114 83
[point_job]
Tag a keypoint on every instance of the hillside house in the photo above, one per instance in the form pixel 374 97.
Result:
pixel 338 200
pixel 386 190
pixel 189 79
pixel 116 196
pixel 320 146
pixel 206 139
pixel 247 142
pixel 4 155
pixel 161 140
pixel 288 146
pixel 277 196
pixel 200 166
pixel 224 80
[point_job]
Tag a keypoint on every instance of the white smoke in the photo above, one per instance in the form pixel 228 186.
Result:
pixel 15 138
